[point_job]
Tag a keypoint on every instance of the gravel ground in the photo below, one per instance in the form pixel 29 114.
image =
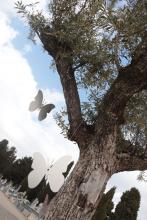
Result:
pixel 8 211
pixel 5 215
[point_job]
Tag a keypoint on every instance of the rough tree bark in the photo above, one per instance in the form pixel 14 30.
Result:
pixel 85 186
pixel 99 158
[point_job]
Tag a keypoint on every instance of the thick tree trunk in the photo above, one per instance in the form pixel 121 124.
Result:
pixel 99 159
pixel 80 195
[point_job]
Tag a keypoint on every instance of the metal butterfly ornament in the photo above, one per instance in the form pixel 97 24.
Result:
pixel 37 103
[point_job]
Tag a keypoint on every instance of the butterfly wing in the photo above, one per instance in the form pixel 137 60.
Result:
pixel 37 103
pixel 39 98
pixel 33 106
pixel 38 172
pixel 44 110
pixel 55 176
pixel 55 180
pixel 49 107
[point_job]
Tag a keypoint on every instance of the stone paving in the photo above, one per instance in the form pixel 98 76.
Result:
pixel 5 215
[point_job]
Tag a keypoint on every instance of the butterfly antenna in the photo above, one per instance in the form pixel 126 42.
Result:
pixel 51 164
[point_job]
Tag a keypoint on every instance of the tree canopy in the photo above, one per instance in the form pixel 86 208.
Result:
pixel 127 208
pixel 105 207
pixel 98 39
pixel 7 155
pixel 12 168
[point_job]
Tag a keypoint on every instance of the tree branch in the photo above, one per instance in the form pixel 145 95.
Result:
pixel 131 79
pixel 49 40
pixel 82 63
pixel 132 157
pixel 61 53
pixel 71 95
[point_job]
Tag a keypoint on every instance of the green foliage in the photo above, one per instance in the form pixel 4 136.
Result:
pixel 142 176
pixel 128 207
pixel 96 39
pixel 39 192
pixel 13 169
pixel 136 118
pixel 18 170
pixel 104 209
pixel 62 122
pixel 45 190
pixel 7 155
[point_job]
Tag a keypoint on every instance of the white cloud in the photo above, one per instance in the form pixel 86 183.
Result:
pixel 17 89
pixel 8 6
pixel 53 96
pixel 7 33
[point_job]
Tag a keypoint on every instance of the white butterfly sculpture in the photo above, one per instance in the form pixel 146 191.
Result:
pixel 53 174
pixel 38 104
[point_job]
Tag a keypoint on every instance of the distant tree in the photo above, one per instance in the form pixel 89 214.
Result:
pixel 13 169
pixel 39 192
pixel 104 209
pixel 24 185
pixel 21 169
pixel 33 193
pixel 11 155
pixel 128 207
pixel 45 191
pixel 3 154
pixel 18 170
pixel 7 156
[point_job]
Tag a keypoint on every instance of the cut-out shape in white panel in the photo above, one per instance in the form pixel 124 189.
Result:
pixel 53 174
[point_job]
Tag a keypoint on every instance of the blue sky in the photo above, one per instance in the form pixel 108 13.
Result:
pixel 37 58
pixel 25 68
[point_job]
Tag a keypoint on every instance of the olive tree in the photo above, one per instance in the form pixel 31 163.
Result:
pixel 99 48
